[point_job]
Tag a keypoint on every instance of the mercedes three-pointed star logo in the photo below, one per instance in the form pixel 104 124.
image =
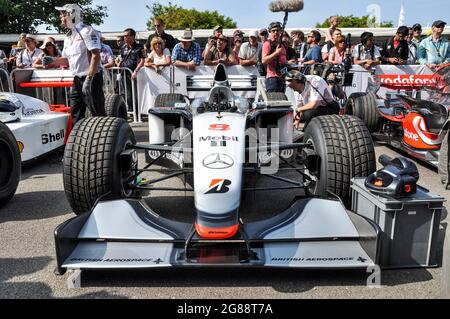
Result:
pixel 218 161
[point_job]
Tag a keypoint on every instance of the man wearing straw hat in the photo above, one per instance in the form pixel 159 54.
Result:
pixel 187 53
pixel 27 57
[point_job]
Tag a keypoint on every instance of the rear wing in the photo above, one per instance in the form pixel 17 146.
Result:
pixel 204 83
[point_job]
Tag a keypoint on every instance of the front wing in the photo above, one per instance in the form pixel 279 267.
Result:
pixel 127 234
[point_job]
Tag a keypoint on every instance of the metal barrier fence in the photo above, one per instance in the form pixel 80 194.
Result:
pixel 117 80
pixel 5 81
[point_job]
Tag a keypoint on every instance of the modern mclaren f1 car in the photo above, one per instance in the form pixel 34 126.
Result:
pixel 414 117
pixel 218 142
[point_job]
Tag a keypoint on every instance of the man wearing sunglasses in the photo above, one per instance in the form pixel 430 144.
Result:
pixel 169 40
pixel 274 58
pixel 396 50
pixel 435 49
pixel 417 33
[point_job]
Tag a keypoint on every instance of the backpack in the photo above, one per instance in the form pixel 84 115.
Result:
pixel 262 70
pixel 330 45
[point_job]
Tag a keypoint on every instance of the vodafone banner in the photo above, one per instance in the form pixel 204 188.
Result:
pixel 402 77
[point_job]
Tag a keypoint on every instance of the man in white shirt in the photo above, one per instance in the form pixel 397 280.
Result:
pixel 27 57
pixel 313 97
pixel 367 53
pixel 82 47
pixel 249 50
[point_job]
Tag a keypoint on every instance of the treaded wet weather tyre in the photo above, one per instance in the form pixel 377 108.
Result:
pixel 364 106
pixel 92 161
pixel 169 99
pixel 346 151
pixel 115 106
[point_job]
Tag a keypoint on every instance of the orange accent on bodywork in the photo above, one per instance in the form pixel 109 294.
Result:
pixel 417 142
pixel 61 108
pixel 20 146
pixel 379 183
pixel 217 233
pixel 215 182
pixel 69 128
pixel 65 84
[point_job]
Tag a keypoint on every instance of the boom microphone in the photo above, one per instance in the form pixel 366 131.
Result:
pixel 286 6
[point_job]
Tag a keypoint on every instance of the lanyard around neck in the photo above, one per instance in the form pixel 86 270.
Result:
pixel 438 48
pixel 31 58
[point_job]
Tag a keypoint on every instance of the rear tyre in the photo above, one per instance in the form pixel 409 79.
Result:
pixel 92 161
pixel 169 99
pixel 10 165
pixel 276 96
pixel 346 151
pixel 115 106
pixel 364 106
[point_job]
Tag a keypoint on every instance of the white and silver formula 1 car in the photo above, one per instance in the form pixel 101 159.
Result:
pixel 220 141
pixel 28 130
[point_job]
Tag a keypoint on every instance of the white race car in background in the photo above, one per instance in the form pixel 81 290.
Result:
pixel 28 130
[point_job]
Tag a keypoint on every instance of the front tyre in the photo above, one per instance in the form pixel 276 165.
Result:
pixel 92 161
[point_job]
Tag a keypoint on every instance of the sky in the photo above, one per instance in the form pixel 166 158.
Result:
pixel 255 14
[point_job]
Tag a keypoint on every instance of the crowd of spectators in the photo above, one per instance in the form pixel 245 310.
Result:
pixel 273 51
pixel 267 49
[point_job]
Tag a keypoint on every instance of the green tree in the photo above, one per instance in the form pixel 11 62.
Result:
pixel 178 18
pixel 355 22
pixel 17 16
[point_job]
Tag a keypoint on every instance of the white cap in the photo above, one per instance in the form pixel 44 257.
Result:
pixel 30 36
pixel 70 7
pixel 254 33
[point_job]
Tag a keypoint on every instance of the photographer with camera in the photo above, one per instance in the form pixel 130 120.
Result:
pixel 212 40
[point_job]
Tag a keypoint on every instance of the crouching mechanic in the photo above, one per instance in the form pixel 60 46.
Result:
pixel 82 49
pixel 313 97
